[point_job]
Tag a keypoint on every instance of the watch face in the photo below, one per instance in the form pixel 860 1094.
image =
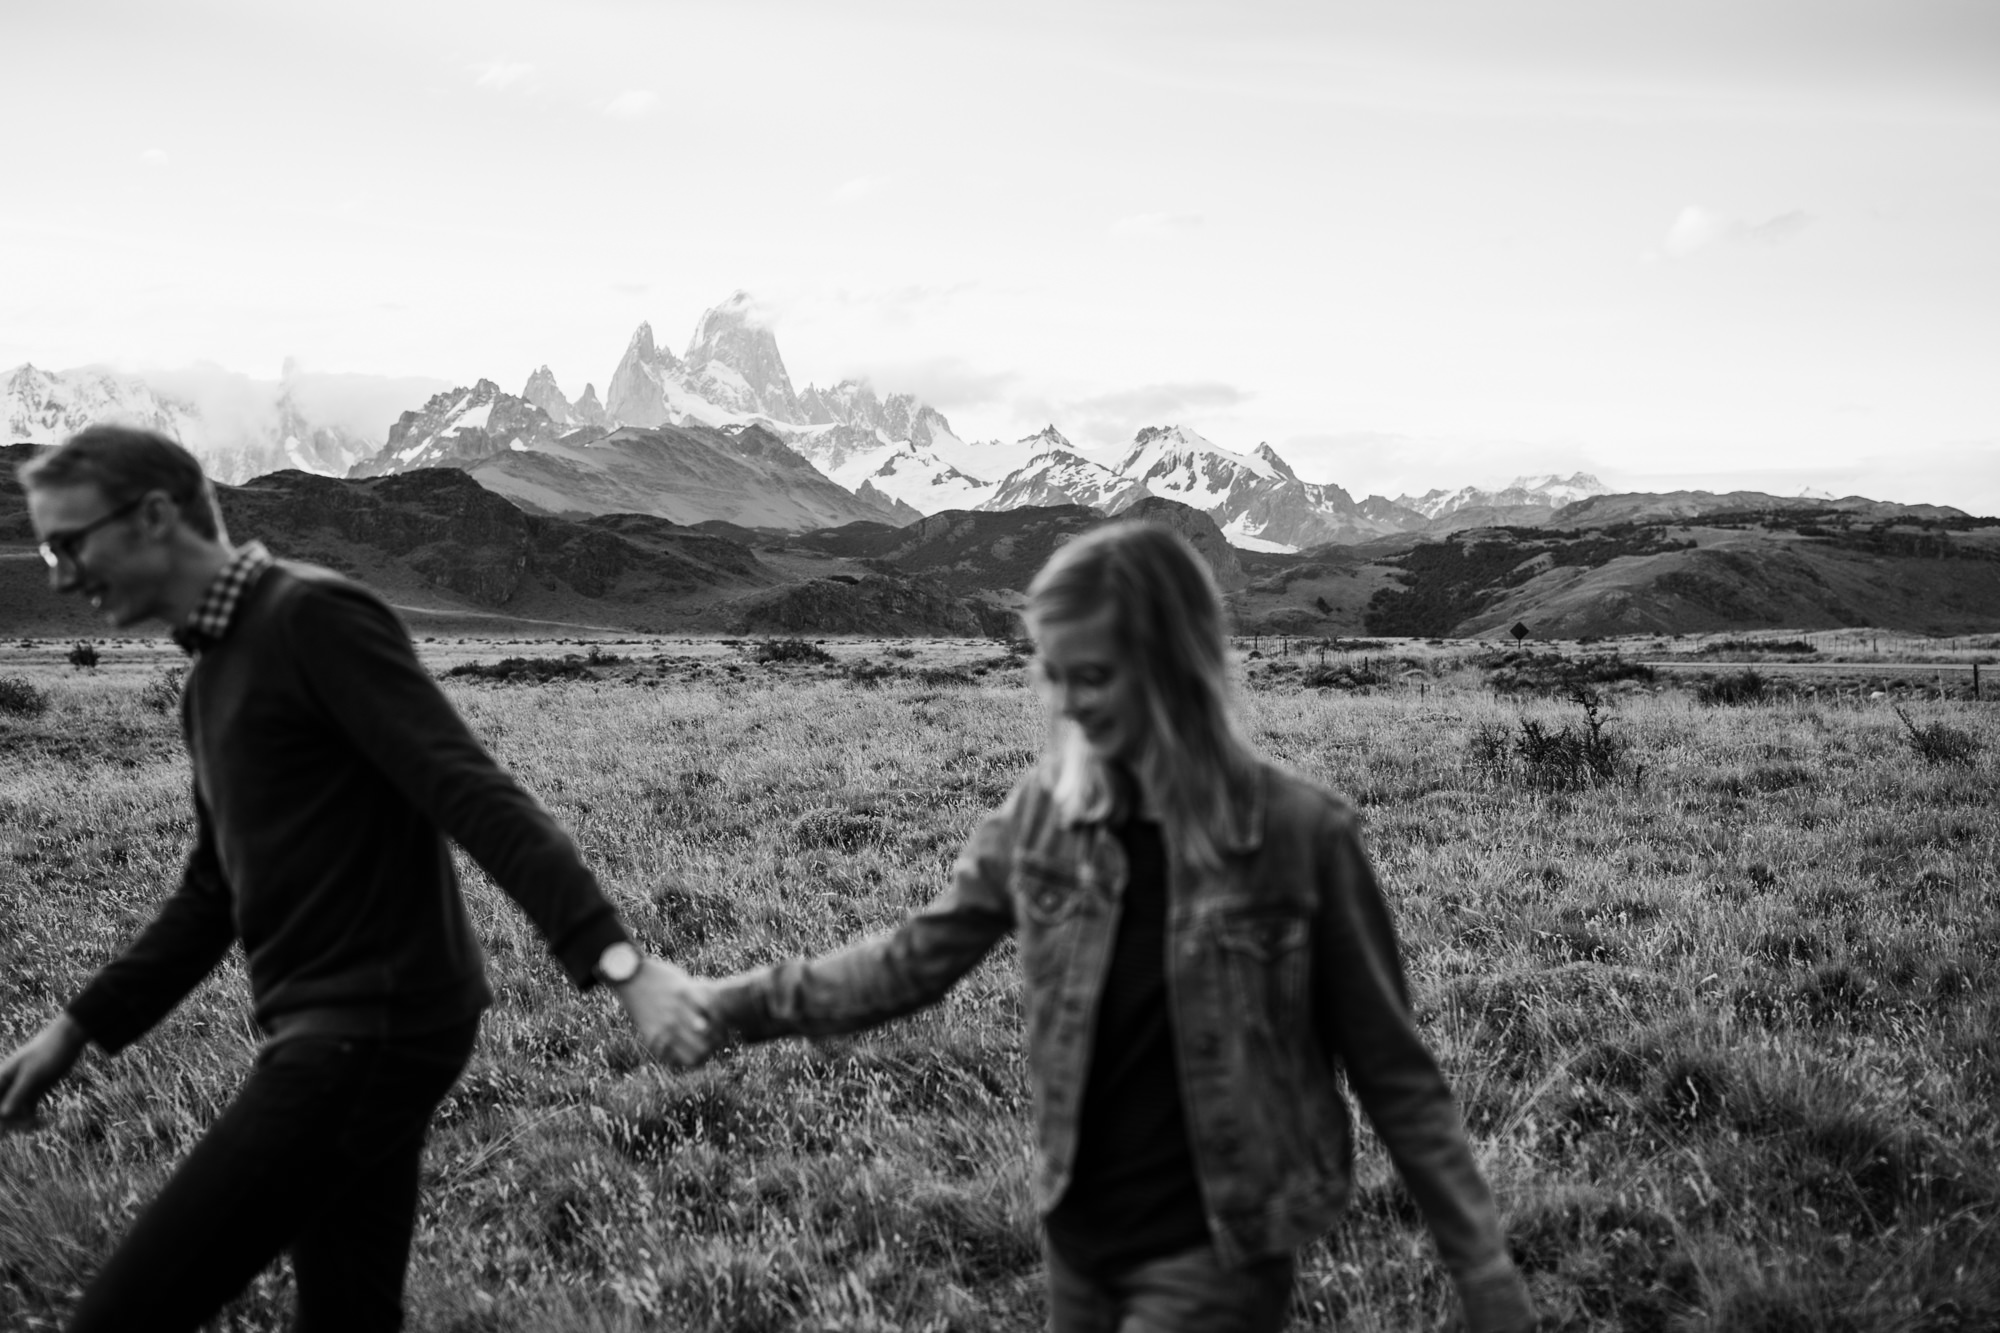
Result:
pixel 618 963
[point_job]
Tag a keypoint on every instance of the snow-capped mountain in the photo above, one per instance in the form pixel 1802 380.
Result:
pixel 43 408
pixel 732 375
pixel 1056 474
pixel 1176 463
pixel 639 393
pixel 857 456
pixel 327 450
pixel 543 391
pixel 732 361
pixel 1549 492
pixel 239 428
pixel 900 416
pixel 459 427
pixel 1257 500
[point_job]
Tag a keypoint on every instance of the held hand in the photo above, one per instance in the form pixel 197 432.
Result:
pixel 669 1010
pixel 38 1065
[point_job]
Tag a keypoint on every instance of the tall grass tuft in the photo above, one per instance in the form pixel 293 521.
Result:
pixel 1939 742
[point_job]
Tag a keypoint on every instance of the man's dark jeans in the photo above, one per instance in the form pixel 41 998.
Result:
pixel 319 1154
pixel 1189 1292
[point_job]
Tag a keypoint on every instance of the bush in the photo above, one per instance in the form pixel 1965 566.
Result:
pixel 1346 676
pixel 1940 743
pixel 83 655
pixel 791 650
pixel 21 698
pixel 1564 758
pixel 162 693
pixel 1742 687
pixel 1527 671
pixel 524 670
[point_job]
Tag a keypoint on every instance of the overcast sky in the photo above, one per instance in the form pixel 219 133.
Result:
pixel 1411 244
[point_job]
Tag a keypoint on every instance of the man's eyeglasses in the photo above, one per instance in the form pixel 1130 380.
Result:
pixel 63 545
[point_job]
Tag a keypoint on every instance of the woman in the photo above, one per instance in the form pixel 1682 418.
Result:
pixel 1205 951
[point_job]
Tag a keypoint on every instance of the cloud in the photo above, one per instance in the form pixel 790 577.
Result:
pixel 1697 228
pixel 1110 420
pixel 500 74
pixel 947 383
pixel 631 103
pixel 855 190
pixel 1156 224
pixel 156 158
pixel 1162 401
pixel 1388 463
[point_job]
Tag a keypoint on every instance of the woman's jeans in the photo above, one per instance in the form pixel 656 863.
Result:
pixel 1190 1292
pixel 319 1154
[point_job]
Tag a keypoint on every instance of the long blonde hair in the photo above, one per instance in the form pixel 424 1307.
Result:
pixel 1168 622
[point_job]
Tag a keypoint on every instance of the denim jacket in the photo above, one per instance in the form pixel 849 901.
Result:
pixel 1282 971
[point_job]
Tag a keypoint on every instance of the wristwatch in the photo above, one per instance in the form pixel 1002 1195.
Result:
pixel 618 964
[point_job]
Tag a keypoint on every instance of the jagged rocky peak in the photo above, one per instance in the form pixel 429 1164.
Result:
pixel 543 391
pixel 637 395
pixel 1044 440
pixel 588 411
pixel 1278 465
pixel 1158 450
pixel 849 403
pixel 459 427
pixel 734 361
pixel 643 348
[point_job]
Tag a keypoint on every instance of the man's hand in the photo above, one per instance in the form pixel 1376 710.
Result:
pixel 38 1065
pixel 669 1009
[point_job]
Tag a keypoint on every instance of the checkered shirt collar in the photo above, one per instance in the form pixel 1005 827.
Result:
pixel 217 607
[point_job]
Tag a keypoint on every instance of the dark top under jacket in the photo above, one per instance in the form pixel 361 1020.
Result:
pixel 328 770
pixel 1134 1195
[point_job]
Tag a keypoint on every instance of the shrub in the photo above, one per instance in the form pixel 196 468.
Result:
pixel 524 670
pixel 83 655
pixel 791 650
pixel 1939 742
pixel 162 693
pixel 1758 646
pixel 1345 676
pixel 874 673
pixel 21 698
pixel 1565 758
pixel 1742 687
pixel 1527 671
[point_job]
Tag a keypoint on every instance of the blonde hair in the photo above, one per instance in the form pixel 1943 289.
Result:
pixel 1168 623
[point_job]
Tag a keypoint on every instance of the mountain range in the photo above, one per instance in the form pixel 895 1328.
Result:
pixel 456 557
pixel 707 491
pixel 896 457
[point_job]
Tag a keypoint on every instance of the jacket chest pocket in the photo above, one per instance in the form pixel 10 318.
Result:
pixel 1053 901
pixel 1265 958
pixel 1047 894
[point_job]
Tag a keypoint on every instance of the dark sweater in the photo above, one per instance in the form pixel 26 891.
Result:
pixel 328 769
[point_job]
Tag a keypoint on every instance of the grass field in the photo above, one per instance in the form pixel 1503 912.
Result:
pixel 1717 987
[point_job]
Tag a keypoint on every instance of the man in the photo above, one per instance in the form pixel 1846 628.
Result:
pixel 328 768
